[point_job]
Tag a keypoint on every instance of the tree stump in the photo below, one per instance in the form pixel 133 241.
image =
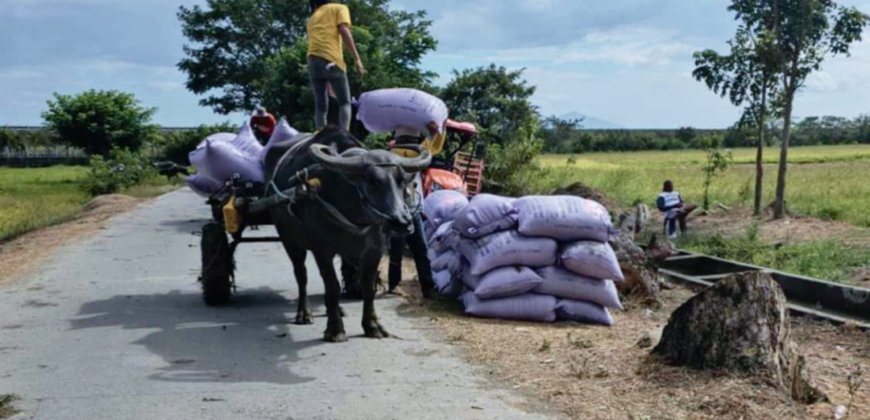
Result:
pixel 740 325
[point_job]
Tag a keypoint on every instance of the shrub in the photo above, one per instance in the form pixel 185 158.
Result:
pixel 123 169
pixel 511 168
pixel 177 145
pixel 98 121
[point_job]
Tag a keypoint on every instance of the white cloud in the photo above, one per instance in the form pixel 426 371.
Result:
pixel 622 46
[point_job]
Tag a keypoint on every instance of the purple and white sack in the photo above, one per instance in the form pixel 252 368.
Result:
pixel 486 214
pixel 567 285
pixel 470 281
pixel 221 160
pixel 506 282
pixel 592 259
pixel 583 312
pixel 441 206
pixel 564 218
pixel 283 134
pixel 217 137
pixel 443 282
pixel 506 249
pixel 446 261
pixel 203 185
pixel 528 307
pixel 444 238
pixel 247 142
pixel 385 110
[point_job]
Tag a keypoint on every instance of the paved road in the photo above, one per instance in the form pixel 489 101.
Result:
pixel 114 328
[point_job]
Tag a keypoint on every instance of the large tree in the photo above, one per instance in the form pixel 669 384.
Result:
pixel 496 99
pixel 99 121
pixel 248 52
pixel 748 77
pixel 804 33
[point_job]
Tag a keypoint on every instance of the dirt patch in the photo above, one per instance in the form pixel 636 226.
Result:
pixel 603 373
pixel 6 406
pixel 26 251
pixel 795 229
pixel 861 276
pixel 583 191
pixel 108 204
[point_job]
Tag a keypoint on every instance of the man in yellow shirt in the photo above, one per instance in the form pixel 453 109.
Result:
pixel 328 25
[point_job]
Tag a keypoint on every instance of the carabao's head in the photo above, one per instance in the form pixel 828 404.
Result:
pixel 382 179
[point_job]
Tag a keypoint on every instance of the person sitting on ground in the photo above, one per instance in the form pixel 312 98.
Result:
pixel 675 210
pixel 263 124
pixel 417 240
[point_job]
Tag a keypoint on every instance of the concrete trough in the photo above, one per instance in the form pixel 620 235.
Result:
pixel 832 301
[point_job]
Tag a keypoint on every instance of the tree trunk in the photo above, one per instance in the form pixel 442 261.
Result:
pixel 740 325
pixel 759 158
pixel 779 205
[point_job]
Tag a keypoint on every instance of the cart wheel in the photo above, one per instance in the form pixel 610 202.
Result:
pixel 217 265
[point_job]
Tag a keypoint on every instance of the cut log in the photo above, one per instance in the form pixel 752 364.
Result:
pixel 740 325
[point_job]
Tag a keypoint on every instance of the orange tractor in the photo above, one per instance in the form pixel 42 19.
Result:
pixel 453 169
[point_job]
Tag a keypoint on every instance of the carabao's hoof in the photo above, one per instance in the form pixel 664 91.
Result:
pixel 339 337
pixel 342 312
pixel 304 318
pixel 376 331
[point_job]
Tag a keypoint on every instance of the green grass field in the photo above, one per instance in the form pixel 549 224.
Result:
pixel 32 198
pixel 829 182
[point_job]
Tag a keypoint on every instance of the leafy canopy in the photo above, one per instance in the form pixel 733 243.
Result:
pixel 248 52
pixel 98 121
pixel 497 100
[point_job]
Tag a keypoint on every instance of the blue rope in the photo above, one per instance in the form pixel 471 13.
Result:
pixel 278 192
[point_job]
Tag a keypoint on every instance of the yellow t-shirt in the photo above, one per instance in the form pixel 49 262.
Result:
pixel 324 39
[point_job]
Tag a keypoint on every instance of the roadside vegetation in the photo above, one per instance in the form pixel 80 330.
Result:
pixel 33 198
pixel 823 259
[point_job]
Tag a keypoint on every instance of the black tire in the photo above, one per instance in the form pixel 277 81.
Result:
pixel 217 265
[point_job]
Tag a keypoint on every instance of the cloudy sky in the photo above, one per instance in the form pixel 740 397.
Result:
pixel 625 61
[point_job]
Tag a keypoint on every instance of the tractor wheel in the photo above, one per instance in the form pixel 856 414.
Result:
pixel 217 265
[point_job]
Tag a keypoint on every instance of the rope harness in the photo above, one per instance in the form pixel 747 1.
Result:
pixel 306 188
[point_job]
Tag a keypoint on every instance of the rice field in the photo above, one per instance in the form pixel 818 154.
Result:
pixel 31 198
pixel 829 182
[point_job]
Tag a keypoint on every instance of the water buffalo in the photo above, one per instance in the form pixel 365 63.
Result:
pixel 362 195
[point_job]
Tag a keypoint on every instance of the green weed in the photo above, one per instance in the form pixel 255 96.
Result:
pixel 826 260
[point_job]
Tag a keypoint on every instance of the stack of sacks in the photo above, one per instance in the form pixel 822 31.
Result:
pixel 511 251
pixel 222 155
pixel 440 209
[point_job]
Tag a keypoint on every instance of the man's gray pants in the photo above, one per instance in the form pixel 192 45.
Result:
pixel 322 72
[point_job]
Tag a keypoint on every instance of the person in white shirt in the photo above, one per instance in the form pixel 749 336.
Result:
pixel 674 208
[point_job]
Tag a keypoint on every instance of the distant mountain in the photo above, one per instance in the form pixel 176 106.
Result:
pixel 591 123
